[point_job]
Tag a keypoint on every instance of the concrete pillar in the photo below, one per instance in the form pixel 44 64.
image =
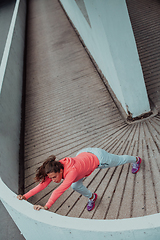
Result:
pixel 105 29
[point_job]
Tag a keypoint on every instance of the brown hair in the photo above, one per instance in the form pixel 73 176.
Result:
pixel 50 165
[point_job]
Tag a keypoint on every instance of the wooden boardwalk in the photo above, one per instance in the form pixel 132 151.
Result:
pixel 69 108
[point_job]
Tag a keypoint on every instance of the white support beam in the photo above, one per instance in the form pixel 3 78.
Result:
pixel 108 36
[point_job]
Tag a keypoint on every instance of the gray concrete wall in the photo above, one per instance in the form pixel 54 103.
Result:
pixel 11 71
pixel 6 12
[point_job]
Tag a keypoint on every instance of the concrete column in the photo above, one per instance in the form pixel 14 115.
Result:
pixel 105 28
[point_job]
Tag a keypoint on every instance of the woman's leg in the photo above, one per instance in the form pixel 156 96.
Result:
pixel 111 160
pixel 116 160
pixel 80 188
pixel 108 160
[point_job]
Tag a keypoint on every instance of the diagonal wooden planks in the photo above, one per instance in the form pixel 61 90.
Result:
pixel 69 108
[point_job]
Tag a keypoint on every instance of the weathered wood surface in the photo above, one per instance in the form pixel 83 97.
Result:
pixel 69 108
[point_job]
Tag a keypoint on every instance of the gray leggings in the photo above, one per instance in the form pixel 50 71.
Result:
pixel 106 160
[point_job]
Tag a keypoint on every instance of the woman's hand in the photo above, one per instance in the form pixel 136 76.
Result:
pixel 38 207
pixel 21 197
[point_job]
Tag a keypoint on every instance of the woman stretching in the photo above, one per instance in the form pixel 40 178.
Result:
pixel 73 170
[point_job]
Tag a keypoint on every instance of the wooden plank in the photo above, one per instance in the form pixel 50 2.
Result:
pixel 68 108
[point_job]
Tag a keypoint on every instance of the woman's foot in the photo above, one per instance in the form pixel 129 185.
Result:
pixel 136 166
pixel 91 203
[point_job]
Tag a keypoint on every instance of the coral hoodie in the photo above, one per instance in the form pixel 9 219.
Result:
pixel 74 169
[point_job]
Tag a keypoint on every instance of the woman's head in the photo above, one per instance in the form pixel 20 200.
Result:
pixel 51 168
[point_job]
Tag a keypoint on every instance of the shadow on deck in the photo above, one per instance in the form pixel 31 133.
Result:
pixel 69 108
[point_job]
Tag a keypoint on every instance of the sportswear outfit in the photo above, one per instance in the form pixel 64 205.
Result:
pixel 75 169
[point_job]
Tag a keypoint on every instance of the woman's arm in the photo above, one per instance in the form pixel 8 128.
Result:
pixel 36 207
pixel 56 193
pixel 69 179
pixel 35 190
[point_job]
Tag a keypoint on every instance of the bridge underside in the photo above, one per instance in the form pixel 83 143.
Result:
pixel 68 108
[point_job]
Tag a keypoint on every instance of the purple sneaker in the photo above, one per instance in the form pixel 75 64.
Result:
pixel 136 166
pixel 91 203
